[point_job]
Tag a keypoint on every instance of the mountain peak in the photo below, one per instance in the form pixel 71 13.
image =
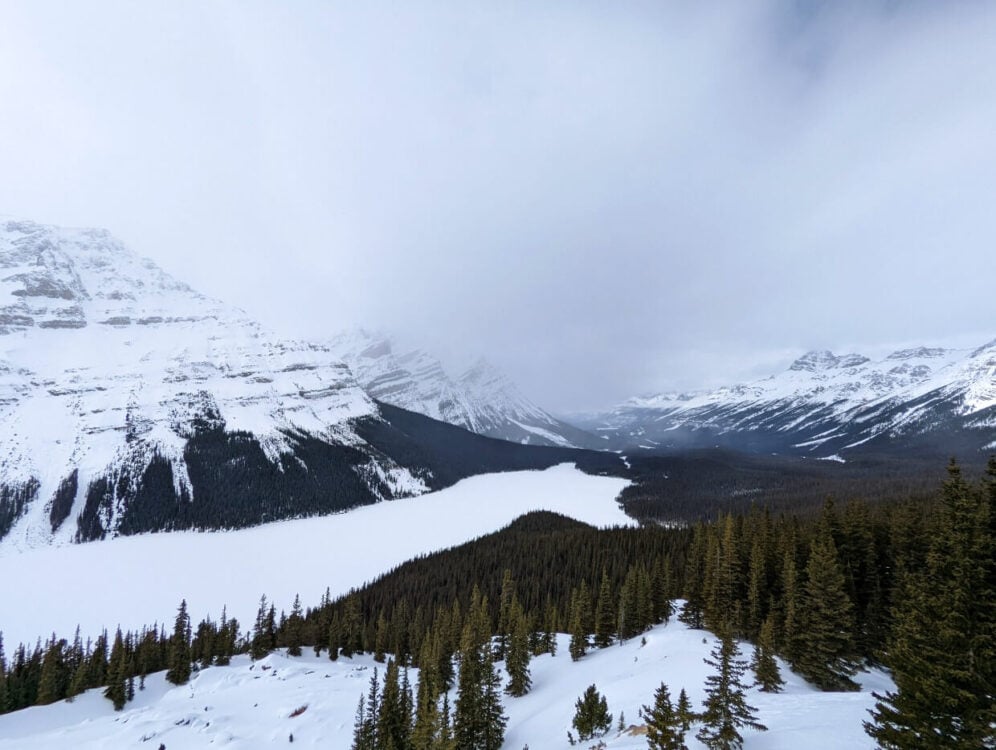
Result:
pixel 919 352
pixel 824 359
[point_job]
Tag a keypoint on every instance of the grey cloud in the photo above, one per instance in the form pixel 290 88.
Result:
pixel 605 198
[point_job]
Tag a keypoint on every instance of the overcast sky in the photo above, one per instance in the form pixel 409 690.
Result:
pixel 605 198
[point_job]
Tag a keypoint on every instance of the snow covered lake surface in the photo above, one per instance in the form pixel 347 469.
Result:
pixel 249 706
pixel 133 581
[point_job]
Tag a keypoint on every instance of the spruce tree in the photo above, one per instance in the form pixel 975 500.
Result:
pixel 664 731
pixel 259 646
pixel 116 690
pixel 605 613
pixel 517 653
pixel 294 630
pixel 942 652
pixel 580 607
pixel 765 667
pixel 380 639
pixel 725 709
pixel 686 716
pixel 826 656
pixel 393 717
pixel 179 648
pixel 591 715
pixel 425 729
pixel 692 612
pixel 478 722
pixel 51 683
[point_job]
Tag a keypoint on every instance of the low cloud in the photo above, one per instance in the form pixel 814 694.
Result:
pixel 605 199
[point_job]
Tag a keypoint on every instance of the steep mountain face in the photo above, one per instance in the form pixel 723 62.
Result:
pixel 825 404
pixel 482 399
pixel 130 403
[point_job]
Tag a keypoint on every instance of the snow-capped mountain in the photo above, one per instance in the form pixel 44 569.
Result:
pixel 108 366
pixel 482 399
pixel 824 404
pixel 131 403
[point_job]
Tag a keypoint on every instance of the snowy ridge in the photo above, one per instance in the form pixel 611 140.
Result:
pixel 827 401
pixel 106 361
pixel 258 705
pixel 482 399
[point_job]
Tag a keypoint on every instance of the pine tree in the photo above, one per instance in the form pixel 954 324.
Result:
pixel 51 683
pixel 294 630
pixel 942 651
pixel 605 613
pixel 116 690
pixel 695 575
pixel 591 715
pixel 517 653
pixel 478 722
pixel 686 716
pixel 179 648
pixel 425 729
pixel 763 663
pixel 259 646
pixel 505 614
pixel 393 720
pixel 380 639
pixel 664 730
pixel 725 708
pixel 580 607
pixel 826 656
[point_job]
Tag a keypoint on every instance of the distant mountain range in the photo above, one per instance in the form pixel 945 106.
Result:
pixel 827 405
pixel 482 399
pixel 130 403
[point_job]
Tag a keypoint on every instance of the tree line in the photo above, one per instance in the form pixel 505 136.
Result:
pixel 908 585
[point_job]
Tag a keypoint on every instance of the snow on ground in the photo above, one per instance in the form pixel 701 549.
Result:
pixel 133 581
pixel 248 706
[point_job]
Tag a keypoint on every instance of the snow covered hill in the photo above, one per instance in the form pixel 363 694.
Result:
pixel 233 568
pixel 260 705
pixel 482 399
pixel 826 404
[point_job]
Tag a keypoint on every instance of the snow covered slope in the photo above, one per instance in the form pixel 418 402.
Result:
pixel 482 399
pixel 131 403
pixel 250 706
pixel 340 552
pixel 825 404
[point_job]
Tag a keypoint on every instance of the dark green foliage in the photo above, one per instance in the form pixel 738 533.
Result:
pixel 517 654
pixel 763 663
pixel 96 516
pixel 52 683
pixel 179 648
pixel 293 631
pixel 664 728
pixel 605 613
pixel 451 453
pixel 684 713
pixel 725 709
pixel 826 652
pixel 580 618
pixel 62 502
pixel 943 647
pixel 263 632
pixel 14 500
pixel 117 674
pixel 591 715
pixel 478 722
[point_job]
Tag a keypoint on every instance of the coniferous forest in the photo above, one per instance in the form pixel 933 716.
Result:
pixel 908 584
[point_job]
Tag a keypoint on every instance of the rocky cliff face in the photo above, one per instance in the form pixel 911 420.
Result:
pixel 109 366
